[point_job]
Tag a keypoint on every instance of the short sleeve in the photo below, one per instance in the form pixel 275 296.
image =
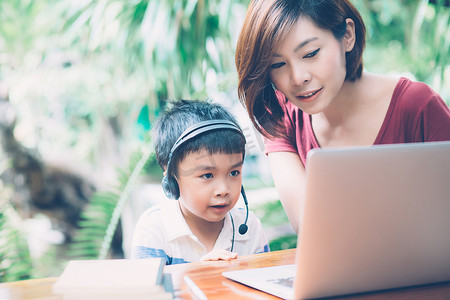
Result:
pixel 286 143
pixel 147 238
pixel 434 121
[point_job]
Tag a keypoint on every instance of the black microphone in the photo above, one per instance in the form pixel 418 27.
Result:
pixel 243 228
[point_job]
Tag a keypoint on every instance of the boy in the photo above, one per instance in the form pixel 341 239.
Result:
pixel 201 149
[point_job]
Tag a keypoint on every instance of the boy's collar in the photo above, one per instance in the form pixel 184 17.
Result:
pixel 174 223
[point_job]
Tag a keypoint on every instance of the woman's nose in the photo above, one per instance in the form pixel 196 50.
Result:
pixel 300 75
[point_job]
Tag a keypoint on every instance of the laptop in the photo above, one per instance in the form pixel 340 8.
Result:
pixel 374 218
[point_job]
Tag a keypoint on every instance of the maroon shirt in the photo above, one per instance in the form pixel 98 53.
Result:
pixel 416 114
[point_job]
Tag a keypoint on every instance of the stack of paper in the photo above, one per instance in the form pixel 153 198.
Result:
pixel 114 279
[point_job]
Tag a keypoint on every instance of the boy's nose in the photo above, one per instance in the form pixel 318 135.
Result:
pixel 222 194
pixel 222 190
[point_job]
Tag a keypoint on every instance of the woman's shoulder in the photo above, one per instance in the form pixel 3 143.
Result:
pixel 375 89
pixel 414 95
pixel 412 88
pixel 379 85
pixel 400 91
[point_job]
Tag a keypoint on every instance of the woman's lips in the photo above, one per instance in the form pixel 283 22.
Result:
pixel 309 96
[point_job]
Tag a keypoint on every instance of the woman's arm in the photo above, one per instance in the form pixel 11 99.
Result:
pixel 289 177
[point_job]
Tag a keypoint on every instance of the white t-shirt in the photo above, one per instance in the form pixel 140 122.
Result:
pixel 162 231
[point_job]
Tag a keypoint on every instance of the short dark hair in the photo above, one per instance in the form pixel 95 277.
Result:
pixel 182 114
pixel 266 24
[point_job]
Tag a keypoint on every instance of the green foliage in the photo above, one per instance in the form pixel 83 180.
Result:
pixel 272 214
pixel 15 260
pixel 283 242
pixel 101 217
pixel 175 44
pixel 409 37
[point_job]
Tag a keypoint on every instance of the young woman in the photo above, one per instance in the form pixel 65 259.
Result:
pixel 302 82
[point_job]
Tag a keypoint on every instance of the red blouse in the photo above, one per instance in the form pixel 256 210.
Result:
pixel 416 114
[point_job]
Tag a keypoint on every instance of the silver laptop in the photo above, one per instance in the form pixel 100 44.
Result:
pixel 374 218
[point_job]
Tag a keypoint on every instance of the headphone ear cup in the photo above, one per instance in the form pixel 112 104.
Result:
pixel 170 187
pixel 165 187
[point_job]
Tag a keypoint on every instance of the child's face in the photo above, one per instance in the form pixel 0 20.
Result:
pixel 210 184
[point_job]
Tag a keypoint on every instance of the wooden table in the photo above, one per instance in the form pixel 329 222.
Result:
pixel 207 276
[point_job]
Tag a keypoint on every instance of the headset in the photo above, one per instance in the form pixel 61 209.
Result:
pixel 170 184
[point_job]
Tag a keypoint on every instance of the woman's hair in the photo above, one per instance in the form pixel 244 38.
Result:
pixel 266 24
pixel 185 113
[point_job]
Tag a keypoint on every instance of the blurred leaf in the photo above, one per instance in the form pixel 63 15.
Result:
pixel 15 259
pixel 284 242
pixel 101 217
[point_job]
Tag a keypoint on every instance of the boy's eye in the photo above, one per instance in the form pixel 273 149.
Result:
pixel 235 173
pixel 207 175
pixel 311 54
pixel 277 65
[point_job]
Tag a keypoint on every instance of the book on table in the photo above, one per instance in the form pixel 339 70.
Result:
pixel 114 279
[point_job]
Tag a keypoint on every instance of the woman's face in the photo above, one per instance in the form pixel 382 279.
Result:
pixel 309 66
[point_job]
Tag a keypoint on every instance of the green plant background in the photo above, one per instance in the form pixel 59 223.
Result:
pixel 87 79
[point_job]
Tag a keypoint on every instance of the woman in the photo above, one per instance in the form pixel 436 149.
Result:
pixel 302 82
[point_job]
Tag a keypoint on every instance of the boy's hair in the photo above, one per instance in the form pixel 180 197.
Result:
pixel 185 113
pixel 266 24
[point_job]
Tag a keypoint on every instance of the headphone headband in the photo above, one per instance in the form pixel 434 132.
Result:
pixel 201 127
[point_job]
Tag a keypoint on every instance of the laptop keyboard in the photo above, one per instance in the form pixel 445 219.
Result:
pixel 288 281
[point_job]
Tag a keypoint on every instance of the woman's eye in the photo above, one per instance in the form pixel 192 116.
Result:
pixel 235 173
pixel 207 176
pixel 277 65
pixel 311 54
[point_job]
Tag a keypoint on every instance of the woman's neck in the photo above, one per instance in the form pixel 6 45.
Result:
pixel 356 114
pixel 346 102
